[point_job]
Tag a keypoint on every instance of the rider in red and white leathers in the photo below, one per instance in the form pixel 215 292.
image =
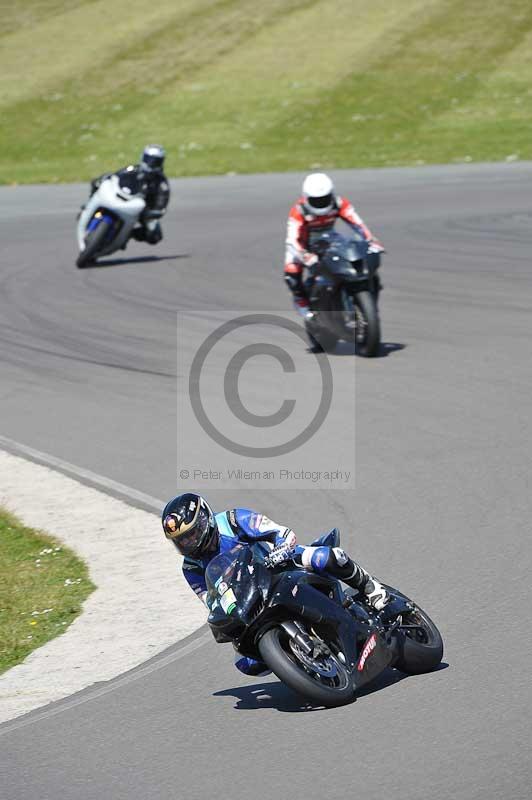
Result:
pixel 315 213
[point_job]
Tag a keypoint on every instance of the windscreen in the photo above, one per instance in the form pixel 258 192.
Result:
pixel 222 568
pixel 218 579
pixel 232 572
pixel 339 250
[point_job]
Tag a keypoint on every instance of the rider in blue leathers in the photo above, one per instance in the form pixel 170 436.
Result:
pixel 200 534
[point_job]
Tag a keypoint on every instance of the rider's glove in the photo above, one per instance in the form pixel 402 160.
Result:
pixel 287 538
pixel 278 556
pixel 375 247
pixel 376 594
pixel 309 259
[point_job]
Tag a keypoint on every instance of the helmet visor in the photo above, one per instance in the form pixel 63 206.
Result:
pixel 153 161
pixel 190 540
pixel 320 202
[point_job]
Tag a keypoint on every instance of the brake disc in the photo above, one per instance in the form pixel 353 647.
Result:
pixel 327 669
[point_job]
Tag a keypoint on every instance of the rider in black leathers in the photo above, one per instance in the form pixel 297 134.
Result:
pixel 152 183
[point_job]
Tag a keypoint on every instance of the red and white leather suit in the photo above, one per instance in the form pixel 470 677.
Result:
pixel 302 227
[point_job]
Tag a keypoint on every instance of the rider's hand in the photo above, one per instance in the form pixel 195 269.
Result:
pixel 375 247
pixel 288 539
pixel 278 556
pixel 309 259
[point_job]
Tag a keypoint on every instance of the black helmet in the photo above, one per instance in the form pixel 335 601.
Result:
pixel 188 521
pixel 152 158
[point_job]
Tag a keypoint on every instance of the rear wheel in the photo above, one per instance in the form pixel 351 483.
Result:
pixel 93 243
pixel 421 643
pixel 367 325
pixel 320 677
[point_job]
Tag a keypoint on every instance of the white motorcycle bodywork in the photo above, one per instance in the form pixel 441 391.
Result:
pixel 112 197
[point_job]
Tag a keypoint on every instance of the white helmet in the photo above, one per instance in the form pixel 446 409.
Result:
pixel 318 191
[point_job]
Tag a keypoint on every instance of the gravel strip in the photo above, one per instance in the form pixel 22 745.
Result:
pixel 141 605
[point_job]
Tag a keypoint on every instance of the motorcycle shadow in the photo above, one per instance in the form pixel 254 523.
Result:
pixel 386 348
pixel 119 262
pixel 269 694
pixel 392 676
pixel 274 694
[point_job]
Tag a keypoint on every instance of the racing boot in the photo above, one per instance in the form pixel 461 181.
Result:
pixel 154 232
pixel 356 576
pixel 294 282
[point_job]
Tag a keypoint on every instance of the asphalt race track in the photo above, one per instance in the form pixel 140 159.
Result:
pixel 442 505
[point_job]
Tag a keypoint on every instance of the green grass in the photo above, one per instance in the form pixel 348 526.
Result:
pixel 42 587
pixel 240 86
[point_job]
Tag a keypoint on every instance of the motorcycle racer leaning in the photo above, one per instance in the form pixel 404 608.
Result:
pixel 151 182
pixel 200 534
pixel 313 214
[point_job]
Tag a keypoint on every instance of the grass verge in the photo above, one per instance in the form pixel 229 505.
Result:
pixel 42 587
pixel 240 86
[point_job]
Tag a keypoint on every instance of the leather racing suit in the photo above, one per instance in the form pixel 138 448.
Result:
pixel 302 230
pixel 154 187
pixel 241 525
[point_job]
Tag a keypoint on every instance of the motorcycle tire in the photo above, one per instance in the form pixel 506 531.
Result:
pixel 416 657
pixel 285 666
pixel 370 346
pixel 93 243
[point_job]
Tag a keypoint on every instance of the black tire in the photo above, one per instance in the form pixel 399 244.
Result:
pixel 369 345
pixel 93 243
pixel 315 346
pixel 415 656
pixel 287 669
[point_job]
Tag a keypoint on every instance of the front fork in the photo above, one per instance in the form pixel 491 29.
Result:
pixel 296 631
pixel 299 635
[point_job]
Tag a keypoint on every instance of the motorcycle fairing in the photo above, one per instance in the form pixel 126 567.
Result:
pixel 306 595
pixel 374 657
pixel 342 261
pixel 331 539
pixel 102 216
pixel 108 198
pixel 271 597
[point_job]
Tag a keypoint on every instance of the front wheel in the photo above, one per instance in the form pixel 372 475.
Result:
pixel 367 325
pixel 320 677
pixel 93 244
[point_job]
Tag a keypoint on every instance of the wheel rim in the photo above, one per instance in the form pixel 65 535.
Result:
pixel 416 628
pixel 324 668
